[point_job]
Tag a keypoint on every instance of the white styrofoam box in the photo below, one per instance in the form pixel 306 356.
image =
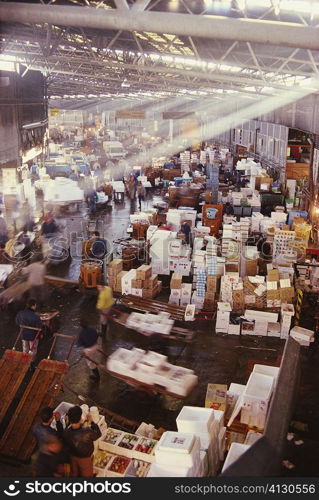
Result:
pixel 233 329
pixel 176 293
pixel 193 419
pixel 235 451
pixel 162 470
pixel 178 449
pixel 190 312
pixel 260 327
pixel 124 360
pixel 252 315
pixel 222 319
pixel 185 301
pixel 219 417
pixel 233 393
pixel 181 380
pixel 161 373
pixel 287 309
pixel 224 306
pixel 150 361
pixel 222 443
pixel 138 292
pixel 303 333
pixel 186 290
pixel 258 387
pixel 272 371
pixel 252 437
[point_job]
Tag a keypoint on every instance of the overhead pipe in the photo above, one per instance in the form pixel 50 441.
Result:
pixel 212 27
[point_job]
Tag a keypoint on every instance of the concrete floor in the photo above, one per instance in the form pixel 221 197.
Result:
pixel 213 357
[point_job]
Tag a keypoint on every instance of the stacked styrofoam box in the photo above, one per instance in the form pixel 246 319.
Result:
pixel 159 251
pixel 207 425
pixel 197 300
pixel 255 399
pixel 287 312
pixel 147 365
pixel 127 281
pixel 181 380
pixel 186 294
pixel 201 283
pixel 179 450
pixel 185 161
pixel 202 157
pixel 124 361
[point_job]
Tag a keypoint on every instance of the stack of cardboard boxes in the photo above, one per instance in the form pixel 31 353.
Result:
pixel 115 267
pixel 145 284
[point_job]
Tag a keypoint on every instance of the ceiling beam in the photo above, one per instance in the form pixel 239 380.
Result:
pixel 212 27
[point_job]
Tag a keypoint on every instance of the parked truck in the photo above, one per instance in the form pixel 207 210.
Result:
pixel 114 150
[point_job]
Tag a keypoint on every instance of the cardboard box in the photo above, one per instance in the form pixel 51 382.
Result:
pixel 144 272
pixel 216 396
pixel 137 283
pixel 151 282
pixel 176 281
pixel 273 275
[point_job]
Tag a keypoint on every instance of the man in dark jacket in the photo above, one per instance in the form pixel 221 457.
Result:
pixel 30 336
pixel 88 340
pixel 41 430
pixel 80 443
pixel 49 227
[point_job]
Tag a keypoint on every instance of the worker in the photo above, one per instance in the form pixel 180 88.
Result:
pixel 49 227
pixel 80 442
pixel 3 229
pixel 30 336
pixel 36 273
pixel 50 460
pixel 42 429
pixel 186 230
pixel 228 209
pixel 104 304
pixel 98 248
pixel 141 192
pixel 87 339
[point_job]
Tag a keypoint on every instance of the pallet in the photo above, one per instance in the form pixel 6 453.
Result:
pixel 13 367
pixel 154 306
pixel 180 334
pixel 45 385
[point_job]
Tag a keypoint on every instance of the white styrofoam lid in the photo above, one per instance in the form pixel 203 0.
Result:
pixel 176 442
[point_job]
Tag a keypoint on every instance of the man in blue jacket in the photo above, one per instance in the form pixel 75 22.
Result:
pixel 30 336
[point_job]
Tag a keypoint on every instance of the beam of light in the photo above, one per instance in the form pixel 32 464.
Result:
pixel 233 119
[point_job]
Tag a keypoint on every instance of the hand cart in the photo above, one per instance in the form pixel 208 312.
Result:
pixel 18 441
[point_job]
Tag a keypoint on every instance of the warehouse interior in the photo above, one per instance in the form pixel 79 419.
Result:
pixel 182 137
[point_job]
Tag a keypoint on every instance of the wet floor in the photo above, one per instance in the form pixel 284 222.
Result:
pixel 213 357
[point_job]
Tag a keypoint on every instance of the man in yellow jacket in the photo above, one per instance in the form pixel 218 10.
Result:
pixel 104 304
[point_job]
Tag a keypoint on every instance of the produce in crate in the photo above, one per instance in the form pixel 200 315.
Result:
pixel 101 459
pixel 140 468
pixel 146 445
pixel 128 441
pixel 119 464
pixel 112 436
